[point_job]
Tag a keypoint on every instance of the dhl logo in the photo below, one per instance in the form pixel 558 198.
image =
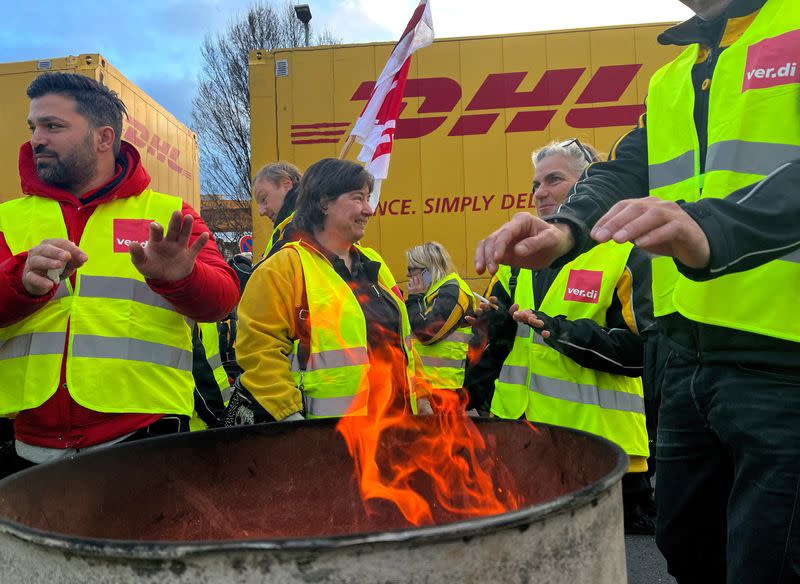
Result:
pixel 500 91
pixel 138 134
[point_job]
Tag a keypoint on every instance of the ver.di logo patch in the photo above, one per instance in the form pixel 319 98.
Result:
pixel 773 62
pixel 127 231
pixel 584 286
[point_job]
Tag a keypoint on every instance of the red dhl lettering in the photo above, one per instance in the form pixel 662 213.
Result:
pixel 138 134
pixel 500 91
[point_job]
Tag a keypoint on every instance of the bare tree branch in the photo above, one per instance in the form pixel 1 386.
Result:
pixel 221 106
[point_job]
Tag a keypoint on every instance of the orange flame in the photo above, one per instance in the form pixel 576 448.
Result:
pixel 402 458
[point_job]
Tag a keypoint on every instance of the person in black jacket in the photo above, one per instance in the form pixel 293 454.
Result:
pixel 728 493
pixel 617 348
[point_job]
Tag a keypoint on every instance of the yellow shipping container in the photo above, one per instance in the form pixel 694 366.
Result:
pixel 475 109
pixel 168 148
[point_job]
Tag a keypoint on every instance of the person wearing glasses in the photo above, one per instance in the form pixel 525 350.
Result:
pixel 708 184
pixel 576 358
pixel 438 303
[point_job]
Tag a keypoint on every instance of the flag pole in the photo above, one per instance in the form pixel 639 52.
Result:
pixel 346 147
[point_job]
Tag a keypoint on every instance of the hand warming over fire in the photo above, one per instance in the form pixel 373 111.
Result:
pixel 484 308
pixel 539 321
pixel 526 241
pixel 424 407
pixel 658 226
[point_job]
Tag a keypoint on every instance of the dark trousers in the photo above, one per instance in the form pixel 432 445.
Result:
pixel 11 463
pixel 728 452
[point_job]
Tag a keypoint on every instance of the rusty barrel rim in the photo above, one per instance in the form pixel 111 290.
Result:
pixel 173 550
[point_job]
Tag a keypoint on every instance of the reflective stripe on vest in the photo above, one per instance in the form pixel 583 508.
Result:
pixel 209 336
pixel 96 347
pixel 736 156
pixel 128 349
pixel 750 135
pixel 333 359
pixel 33 344
pixel 547 386
pixel 673 171
pixel 330 407
pixel 444 361
pixel 215 362
pixel 587 394
pixel 122 289
pixel 335 381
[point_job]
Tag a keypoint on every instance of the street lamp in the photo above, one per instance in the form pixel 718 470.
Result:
pixel 303 13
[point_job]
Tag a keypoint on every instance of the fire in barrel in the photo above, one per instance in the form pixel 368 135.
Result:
pixel 282 503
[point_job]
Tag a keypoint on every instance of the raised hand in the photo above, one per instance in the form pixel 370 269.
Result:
pixel 52 255
pixel 526 241
pixel 168 257
pixel 658 226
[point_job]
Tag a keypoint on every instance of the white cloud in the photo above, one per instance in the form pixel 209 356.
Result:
pixel 373 20
pixel 347 20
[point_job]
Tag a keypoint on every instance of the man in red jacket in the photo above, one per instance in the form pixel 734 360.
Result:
pixel 122 368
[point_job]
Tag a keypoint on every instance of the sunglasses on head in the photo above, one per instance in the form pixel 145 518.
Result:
pixel 588 156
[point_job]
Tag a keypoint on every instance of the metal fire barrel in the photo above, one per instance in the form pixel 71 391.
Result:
pixel 279 503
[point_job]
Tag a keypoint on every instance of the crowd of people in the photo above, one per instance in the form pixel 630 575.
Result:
pixel 648 301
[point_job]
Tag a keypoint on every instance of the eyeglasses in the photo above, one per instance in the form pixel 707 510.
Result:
pixel 413 271
pixel 587 155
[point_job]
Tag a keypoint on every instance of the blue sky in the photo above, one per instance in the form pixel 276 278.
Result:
pixel 156 43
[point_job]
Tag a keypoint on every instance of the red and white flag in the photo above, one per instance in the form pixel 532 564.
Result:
pixel 374 129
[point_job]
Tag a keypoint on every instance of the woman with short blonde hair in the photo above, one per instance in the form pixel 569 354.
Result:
pixel 431 256
pixel 437 304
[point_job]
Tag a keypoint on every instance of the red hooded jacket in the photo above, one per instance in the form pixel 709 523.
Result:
pixel 206 295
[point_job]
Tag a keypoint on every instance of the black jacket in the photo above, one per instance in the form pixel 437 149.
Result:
pixel 746 229
pixel 618 348
pixel 444 312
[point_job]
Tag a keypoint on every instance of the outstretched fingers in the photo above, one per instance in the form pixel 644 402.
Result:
pixel 185 230
pixel 198 244
pixel 138 257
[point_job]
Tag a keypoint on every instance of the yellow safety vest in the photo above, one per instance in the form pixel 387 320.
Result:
pixel 753 129
pixel 549 387
pixel 127 349
pixel 335 379
pixel 210 338
pixel 444 362
pixel 277 234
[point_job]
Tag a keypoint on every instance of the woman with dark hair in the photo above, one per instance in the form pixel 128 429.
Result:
pixel 322 326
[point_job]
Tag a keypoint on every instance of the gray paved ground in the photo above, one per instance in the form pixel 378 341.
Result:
pixel 646 565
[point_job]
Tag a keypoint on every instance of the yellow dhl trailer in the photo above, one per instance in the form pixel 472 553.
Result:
pixel 168 148
pixel 474 110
